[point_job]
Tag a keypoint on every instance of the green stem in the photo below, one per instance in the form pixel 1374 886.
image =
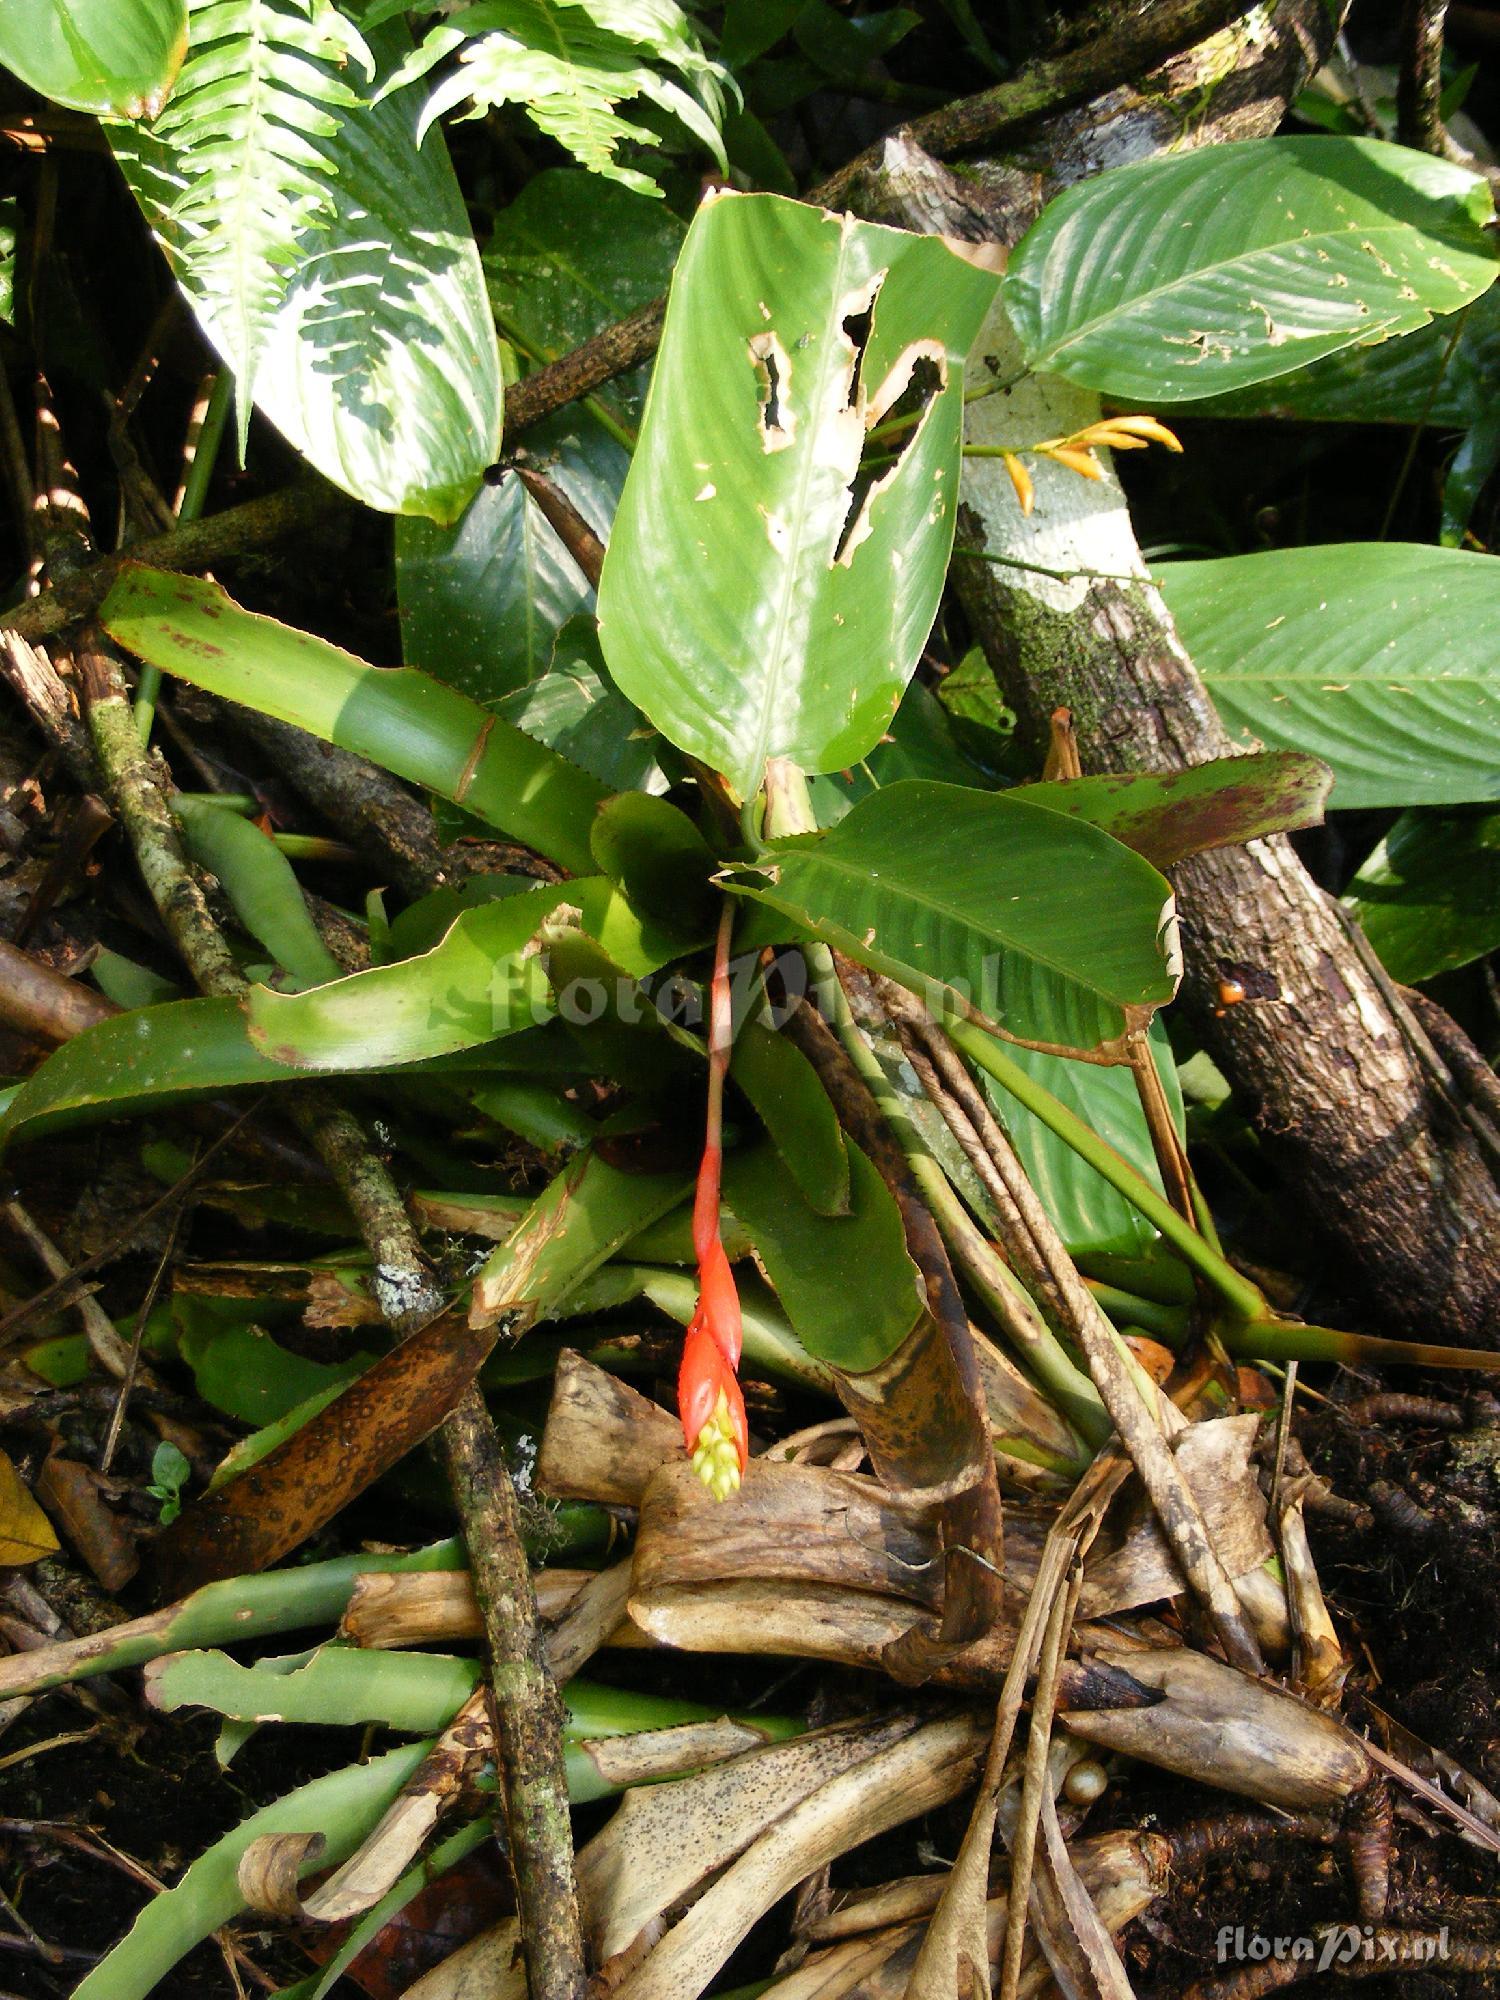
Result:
pixel 1289 1340
pixel 1243 1299
pixel 194 496
pixel 1168 1323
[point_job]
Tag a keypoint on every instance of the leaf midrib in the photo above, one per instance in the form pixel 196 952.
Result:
pixel 772 683
pixel 927 902
pixel 1141 302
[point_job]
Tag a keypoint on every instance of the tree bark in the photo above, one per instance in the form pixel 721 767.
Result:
pixel 1320 1059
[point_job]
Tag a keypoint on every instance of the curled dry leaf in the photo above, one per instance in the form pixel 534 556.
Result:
pixel 270 1869
pixel 1227 1729
pixel 930 1765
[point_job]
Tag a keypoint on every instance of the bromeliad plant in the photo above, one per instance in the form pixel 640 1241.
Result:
pixel 732 764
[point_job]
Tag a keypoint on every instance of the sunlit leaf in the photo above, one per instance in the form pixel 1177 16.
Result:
pixel 1377 657
pixel 328 258
pixel 112 57
pixel 773 573
pixel 1193 273
pixel 1042 922
pixel 410 723
pixel 1168 815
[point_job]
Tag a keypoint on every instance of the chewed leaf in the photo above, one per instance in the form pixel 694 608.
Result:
pixel 777 560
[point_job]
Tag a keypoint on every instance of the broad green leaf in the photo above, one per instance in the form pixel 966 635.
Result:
pixel 658 859
pixel 262 889
pixel 1086 1210
pixel 1444 374
pixel 480 982
pixel 240 1369
pixel 483 601
pixel 583 1216
pixel 1168 815
pixel 115 58
pixel 1429 895
pixel 844 47
pixel 427 921
pixel 772 575
pixel 138 1062
pixel 415 1692
pixel 415 726
pixel 576 710
pixel 920 743
pixel 572 254
pixel 634 942
pixel 1191 274
pixel 328 258
pixel 795 1109
pixel 849 1287
pixel 1379 657
pixel 570 63
pixel 1043 923
pixel 166 1054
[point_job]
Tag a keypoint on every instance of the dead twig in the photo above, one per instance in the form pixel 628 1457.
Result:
pixel 194 545
pixel 1419 91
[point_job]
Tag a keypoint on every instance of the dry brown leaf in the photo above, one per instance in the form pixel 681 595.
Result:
pixel 25 1532
pixel 270 1869
pixel 926 1768
pixel 72 1496
pixel 488 1967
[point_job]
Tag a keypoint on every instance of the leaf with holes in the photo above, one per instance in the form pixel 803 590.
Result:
pixel 1194 273
pixel 115 58
pixel 774 571
pixel 1377 657
pixel 1040 922
pixel 1443 374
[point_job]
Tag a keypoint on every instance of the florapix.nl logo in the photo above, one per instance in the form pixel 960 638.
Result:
pixel 1331 1945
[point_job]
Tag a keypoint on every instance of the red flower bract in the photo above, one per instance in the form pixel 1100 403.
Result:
pixel 704 1377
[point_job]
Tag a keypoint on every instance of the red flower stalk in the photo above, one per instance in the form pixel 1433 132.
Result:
pixel 708 1391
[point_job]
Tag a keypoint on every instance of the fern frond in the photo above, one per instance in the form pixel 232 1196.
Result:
pixel 235 171
pixel 571 64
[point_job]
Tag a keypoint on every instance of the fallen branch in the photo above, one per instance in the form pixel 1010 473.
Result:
pixel 195 545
